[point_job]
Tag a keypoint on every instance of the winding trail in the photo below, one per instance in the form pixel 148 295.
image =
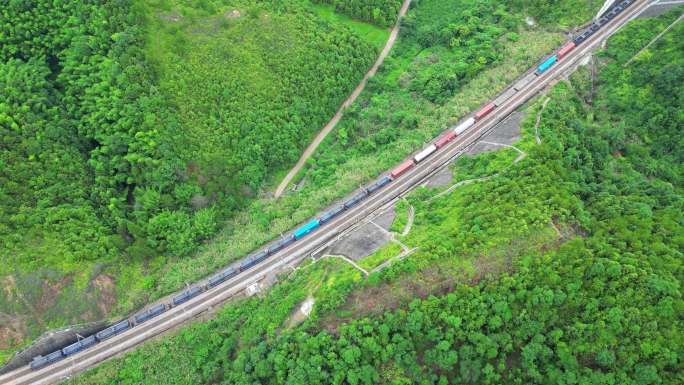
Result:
pixel 657 37
pixel 352 97
pixel 520 157
pixel 348 260
pixel 536 124
pixel 409 220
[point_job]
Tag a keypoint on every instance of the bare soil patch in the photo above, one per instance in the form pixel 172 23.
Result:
pixel 12 331
pixel 234 14
pixel 104 287
pixel 171 17
pixel 51 292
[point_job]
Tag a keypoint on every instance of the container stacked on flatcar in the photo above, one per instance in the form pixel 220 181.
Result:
pixel 307 228
pixel 113 330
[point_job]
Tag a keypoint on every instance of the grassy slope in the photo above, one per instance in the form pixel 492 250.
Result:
pixel 463 240
pixel 372 34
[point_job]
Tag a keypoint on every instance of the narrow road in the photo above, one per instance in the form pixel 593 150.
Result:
pixel 352 97
pixel 655 38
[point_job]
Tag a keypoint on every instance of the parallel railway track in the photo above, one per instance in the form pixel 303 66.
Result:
pixel 322 237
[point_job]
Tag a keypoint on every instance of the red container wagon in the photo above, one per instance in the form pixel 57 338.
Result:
pixel 448 137
pixel 402 168
pixel 565 49
pixel 484 111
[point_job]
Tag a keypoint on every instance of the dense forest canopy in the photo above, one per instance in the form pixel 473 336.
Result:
pixel 158 160
pixel 579 247
pixel 130 129
pixel 381 12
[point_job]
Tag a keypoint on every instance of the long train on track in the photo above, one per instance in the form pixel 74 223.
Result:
pixel 255 258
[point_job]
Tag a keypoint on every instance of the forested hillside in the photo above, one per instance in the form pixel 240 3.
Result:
pixel 565 267
pixel 131 129
pixel 563 13
pixel 380 12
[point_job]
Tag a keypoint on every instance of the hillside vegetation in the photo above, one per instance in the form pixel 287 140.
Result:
pixel 562 13
pixel 114 178
pixel 380 12
pixel 564 268
pixel 131 129
pixel 380 129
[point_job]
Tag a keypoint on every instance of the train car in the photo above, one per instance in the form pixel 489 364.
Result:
pixel 425 153
pixel 546 64
pixel 307 228
pixel 247 263
pixel 150 313
pixel 579 39
pixel 80 345
pixel 446 138
pixel 353 201
pixel 380 183
pixel 257 257
pixel 525 80
pixel 402 168
pixel 458 130
pixel 260 256
pixel 186 295
pixel 43 361
pixel 565 50
pixel 330 214
pixel 501 99
pixel 281 244
pixel 221 277
pixel 484 111
pixel 113 330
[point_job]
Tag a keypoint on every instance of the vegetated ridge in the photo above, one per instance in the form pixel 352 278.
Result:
pixel 503 296
pixel 131 130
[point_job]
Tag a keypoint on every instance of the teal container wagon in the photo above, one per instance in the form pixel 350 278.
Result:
pixel 306 229
pixel 547 64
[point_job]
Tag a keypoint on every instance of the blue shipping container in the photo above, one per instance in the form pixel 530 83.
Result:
pixel 330 214
pixel 113 330
pixel 547 64
pixel 40 361
pixel 247 263
pixel 379 184
pixel 306 229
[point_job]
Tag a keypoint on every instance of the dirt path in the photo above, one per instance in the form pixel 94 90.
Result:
pixel 654 39
pixel 338 115
pixel 536 124
pixel 409 221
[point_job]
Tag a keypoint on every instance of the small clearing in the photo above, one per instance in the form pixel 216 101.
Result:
pixel 301 313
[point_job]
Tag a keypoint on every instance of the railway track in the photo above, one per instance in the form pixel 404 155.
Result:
pixel 293 254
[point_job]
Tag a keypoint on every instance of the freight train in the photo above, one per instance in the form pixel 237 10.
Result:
pixel 301 232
